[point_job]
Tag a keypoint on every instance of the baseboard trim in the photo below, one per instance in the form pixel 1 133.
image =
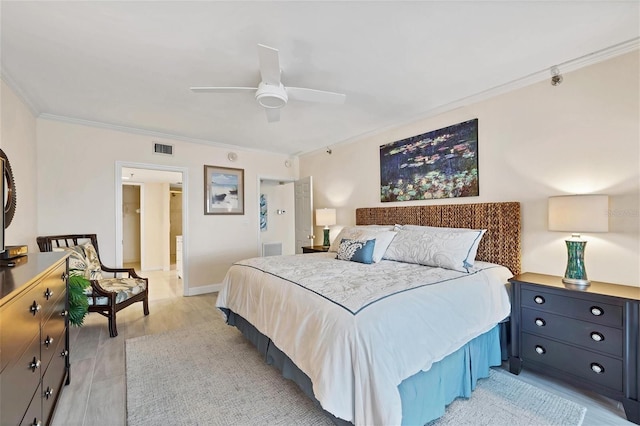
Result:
pixel 204 289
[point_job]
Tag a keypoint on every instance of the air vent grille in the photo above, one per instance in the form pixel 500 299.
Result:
pixel 159 148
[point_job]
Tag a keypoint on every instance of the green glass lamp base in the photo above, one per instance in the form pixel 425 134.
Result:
pixel 576 274
pixel 326 241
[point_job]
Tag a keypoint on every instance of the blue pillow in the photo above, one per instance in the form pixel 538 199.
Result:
pixel 356 250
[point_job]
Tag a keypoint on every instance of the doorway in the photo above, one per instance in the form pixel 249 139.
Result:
pixel 276 217
pixel 285 215
pixel 163 194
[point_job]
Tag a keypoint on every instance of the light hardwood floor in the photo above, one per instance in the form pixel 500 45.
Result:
pixel 97 393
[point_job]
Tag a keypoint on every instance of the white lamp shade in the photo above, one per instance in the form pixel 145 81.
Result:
pixel 579 213
pixel 325 217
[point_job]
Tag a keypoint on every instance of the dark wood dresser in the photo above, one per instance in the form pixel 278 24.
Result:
pixel 588 337
pixel 34 338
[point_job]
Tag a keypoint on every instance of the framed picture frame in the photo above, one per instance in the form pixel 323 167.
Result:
pixel 439 164
pixel 223 190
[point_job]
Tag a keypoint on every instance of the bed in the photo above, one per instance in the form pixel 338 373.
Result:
pixel 392 341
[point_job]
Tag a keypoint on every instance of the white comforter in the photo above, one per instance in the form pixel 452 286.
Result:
pixel 359 330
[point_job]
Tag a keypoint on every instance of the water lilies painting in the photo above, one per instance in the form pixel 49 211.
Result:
pixel 438 164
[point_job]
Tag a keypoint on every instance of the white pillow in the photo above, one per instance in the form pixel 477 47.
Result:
pixel 383 238
pixel 449 248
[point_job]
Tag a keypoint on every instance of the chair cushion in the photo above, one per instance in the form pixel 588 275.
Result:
pixel 124 287
pixel 83 261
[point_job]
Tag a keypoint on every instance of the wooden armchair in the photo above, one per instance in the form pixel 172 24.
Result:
pixel 106 296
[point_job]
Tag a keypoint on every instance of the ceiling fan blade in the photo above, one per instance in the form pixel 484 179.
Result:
pixel 312 95
pixel 273 114
pixel 269 65
pixel 222 89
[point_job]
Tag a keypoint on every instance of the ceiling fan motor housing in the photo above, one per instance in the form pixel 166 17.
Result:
pixel 271 96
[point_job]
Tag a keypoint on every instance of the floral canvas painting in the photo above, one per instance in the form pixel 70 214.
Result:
pixel 438 164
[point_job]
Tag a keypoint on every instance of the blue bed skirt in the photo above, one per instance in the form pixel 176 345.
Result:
pixel 424 395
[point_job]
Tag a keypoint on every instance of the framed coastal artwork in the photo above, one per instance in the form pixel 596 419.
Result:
pixel 438 164
pixel 223 190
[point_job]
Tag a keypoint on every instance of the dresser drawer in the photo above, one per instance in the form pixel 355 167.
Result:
pixel 590 335
pixel 19 382
pixel 34 411
pixel 573 360
pixel 52 292
pixel 53 378
pixel 53 332
pixel 20 323
pixel 588 310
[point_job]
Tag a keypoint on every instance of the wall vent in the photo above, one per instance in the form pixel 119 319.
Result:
pixel 159 148
pixel 271 249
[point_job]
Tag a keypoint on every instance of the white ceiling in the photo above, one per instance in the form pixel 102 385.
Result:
pixel 130 63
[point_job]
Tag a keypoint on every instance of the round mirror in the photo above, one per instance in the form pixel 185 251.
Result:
pixel 10 198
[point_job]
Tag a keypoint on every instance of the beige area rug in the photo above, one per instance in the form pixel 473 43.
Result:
pixel 211 375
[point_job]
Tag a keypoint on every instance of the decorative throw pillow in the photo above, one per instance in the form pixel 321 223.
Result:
pixel 447 248
pixel 383 238
pixel 356 250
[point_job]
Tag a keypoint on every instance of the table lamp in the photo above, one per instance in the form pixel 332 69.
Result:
pixel 575 214
pixel 326 217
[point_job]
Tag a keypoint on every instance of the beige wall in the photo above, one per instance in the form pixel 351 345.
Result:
pixel 18 141
pixel 131 224
pixel 579 137
pixel 539 141
pixel 155 218
pixel 76 191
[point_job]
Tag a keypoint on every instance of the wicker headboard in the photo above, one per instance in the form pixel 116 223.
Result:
pixel 500 244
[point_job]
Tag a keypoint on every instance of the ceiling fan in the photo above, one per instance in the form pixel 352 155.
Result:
pixel 271 93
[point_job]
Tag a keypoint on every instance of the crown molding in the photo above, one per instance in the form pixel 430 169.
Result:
pixel 536 77
pixel 151 133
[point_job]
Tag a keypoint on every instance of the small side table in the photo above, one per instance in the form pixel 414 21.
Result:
pixel 588 337
pixel 315 249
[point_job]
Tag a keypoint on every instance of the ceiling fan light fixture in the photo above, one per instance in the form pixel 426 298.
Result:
pixel 270 96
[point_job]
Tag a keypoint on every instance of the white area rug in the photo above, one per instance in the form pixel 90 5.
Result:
pixel 211 375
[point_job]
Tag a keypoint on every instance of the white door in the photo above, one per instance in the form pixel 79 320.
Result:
pixel 303 189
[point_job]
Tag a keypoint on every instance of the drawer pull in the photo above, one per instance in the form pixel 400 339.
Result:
pixel 597 311
pixel 64 276
pixel 48 392
pixel 598 337
pixel 64 353
pixel 539 300
pixel 35 308
pixel 540 350
pixel 35 422
pixel 64 313
pixel 35 364
pixel 597 368
pixel 540 322
pixel 48 341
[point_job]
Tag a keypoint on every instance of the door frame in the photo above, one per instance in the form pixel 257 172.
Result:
pixel 260 179
pixel 118 216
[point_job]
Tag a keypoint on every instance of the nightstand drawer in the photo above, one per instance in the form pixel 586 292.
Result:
pixel 595 368
pixel 588 310
pixel 592 336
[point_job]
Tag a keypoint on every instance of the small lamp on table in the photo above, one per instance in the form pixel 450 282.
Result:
pixel 326 218
pixel 575 214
